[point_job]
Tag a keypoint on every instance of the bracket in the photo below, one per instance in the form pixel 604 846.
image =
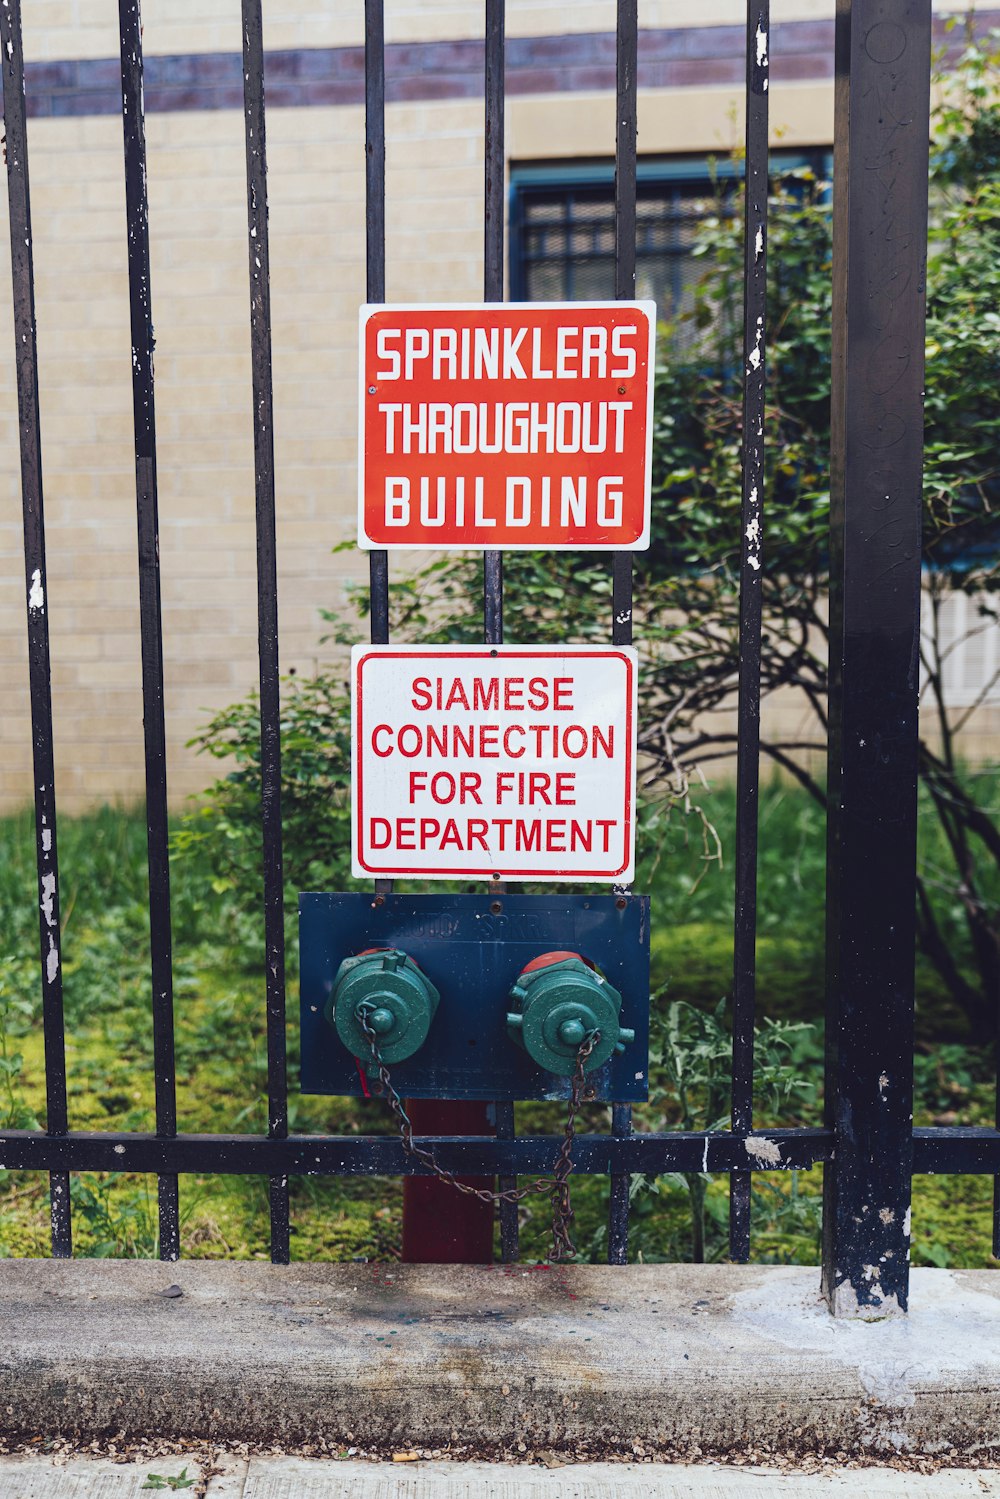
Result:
pixel 472 948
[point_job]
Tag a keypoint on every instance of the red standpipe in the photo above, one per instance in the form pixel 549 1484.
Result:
pixel 442 1226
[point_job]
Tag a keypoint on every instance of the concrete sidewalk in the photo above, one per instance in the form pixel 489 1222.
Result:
pixel 298 1478
pixel 668 1361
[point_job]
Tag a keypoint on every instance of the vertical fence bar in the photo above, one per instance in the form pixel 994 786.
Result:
pixel 378 562
pixel 626 127
pixel 493 262
pixel 493 291
pixel 880 242
pixel 493 198
pixel 435 1227
pixel 510 1238
pixel 151 629
pixel 36 590
pixel 267 609
pixel 748 706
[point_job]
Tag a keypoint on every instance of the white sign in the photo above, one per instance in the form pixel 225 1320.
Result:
pixel 497 762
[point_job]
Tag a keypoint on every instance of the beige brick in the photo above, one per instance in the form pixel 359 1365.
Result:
pixel 120 674
pixel 88 286
pixel 100 727
pixel 77 313
pixel 185 630
pixel 106 785
pixel 290 187
pixel 67 230
pixel 193 428
pixel 14 707
pixel 108 568
pixel 98 620
pixel 178 366
pixel 79 757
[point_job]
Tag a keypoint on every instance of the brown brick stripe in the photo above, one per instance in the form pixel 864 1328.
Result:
pixel 682 57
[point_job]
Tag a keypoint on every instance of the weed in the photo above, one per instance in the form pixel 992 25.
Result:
pixel 690 1062
pixel 165 1481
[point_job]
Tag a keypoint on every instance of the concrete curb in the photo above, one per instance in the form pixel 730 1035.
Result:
pixel 582 1359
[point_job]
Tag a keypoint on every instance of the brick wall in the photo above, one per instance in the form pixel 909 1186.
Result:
pixel 200 305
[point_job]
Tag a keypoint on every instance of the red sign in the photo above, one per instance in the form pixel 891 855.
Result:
pixel 506 762
pixel 517 426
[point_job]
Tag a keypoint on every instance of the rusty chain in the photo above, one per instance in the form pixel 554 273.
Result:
pixel 556 1186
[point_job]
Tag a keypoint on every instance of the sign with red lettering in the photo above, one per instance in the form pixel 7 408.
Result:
pixel 521 426
pixel 503 762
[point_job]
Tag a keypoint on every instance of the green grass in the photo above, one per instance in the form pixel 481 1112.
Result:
pixel 221 1057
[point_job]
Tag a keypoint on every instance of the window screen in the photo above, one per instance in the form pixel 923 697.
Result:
pixel 562 228
pixel 567 243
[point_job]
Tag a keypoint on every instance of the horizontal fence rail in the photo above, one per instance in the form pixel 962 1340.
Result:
pixel 938 1149
pixel 383 1155
pixel 867 1146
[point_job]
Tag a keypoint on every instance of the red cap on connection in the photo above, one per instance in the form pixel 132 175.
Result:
pixel 546 959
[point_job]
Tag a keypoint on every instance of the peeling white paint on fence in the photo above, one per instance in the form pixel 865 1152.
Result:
pixel 47 902
pixel 756 354
pixel 762 1150
pixel 36 594
pixel 761 40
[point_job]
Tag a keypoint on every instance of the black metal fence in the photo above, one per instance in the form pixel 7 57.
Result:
pixel 867 1145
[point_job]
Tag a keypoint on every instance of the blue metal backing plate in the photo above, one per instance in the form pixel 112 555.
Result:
pixel 472 947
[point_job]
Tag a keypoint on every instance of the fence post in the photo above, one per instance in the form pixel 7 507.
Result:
pixel 880 237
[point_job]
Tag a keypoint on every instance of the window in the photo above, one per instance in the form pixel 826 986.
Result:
pixel 562 227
